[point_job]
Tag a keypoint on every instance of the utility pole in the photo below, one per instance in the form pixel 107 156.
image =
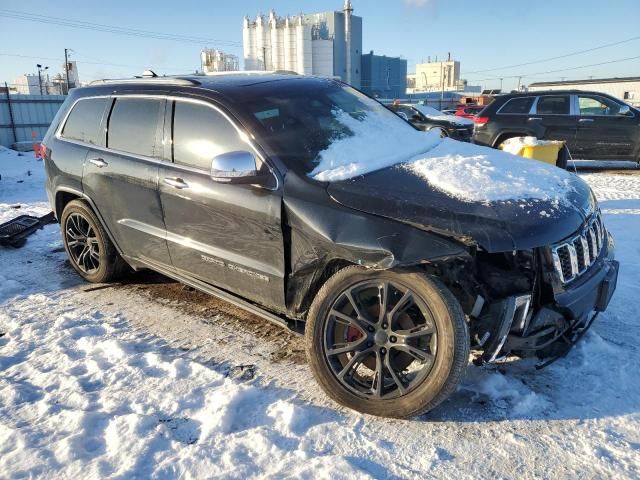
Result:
pixel 501 84
pixel 441 84
pixel 66 68
pixel 40 69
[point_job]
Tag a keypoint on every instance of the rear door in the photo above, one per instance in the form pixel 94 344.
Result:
pixel 513 116
pixel 228 235
pixel 557 118
pixel 122 179
pixel 602 132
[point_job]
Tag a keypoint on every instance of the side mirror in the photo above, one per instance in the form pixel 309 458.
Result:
pixel 237 167
pixel 624 110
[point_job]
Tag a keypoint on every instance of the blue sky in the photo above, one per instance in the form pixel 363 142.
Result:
pixel 482 35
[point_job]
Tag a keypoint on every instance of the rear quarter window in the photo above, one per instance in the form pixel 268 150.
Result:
pixel 83 123
pixel 517 106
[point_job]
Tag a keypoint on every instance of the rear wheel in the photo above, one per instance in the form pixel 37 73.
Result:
pixel 389 343
pixel 88 246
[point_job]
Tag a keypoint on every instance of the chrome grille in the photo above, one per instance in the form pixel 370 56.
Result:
pixel 574 256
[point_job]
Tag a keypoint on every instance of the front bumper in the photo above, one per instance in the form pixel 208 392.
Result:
pixel 460 133
pixel 564 321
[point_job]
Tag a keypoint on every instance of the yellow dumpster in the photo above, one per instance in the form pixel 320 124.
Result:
pixel 530 147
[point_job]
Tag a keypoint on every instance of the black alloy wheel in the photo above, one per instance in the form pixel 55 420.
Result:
pixel 87 244
pixel 392 343
pixel 82 241
pixel 380 339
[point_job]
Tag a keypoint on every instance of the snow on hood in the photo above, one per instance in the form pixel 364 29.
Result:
pixel 481 174
pixel 434 114
pixel 378 140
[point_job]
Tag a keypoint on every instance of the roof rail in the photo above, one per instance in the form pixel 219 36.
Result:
pixel 251 72
pixel 152 80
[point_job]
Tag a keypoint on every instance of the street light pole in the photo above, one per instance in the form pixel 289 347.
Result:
pixel 39 77
pixel 66 68
pixel 40 69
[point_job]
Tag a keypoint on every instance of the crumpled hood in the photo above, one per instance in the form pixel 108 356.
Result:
pixel 398 193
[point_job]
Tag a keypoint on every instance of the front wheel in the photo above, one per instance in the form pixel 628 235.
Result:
pixel 390 343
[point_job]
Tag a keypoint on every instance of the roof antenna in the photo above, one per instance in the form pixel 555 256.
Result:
pixel 149 74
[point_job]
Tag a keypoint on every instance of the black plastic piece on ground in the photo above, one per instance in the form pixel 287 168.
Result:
pixel 14 232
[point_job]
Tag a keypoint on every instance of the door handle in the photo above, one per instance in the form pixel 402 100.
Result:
pixel 585 120
pixel 98 162
pixel 176 182
pixel 533 119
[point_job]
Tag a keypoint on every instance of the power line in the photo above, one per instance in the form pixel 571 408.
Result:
pixel 88 62
pixel 559 70
pixel 557 57
pixel 18 15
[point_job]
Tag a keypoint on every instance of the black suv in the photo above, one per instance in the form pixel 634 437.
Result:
pixel 428 118
pixel 595 126
pixel 208 180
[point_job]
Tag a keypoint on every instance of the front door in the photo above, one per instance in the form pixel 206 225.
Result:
pixel 557 119
pixel 122 179
pixel 227 235
pixel 603 133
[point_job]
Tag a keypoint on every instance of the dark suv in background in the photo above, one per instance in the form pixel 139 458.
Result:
pixel 210 181
pixel 595 126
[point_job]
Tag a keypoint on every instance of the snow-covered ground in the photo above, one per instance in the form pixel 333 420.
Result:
pixel 108 382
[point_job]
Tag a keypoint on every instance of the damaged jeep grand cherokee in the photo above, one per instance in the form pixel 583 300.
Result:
pixel 308 203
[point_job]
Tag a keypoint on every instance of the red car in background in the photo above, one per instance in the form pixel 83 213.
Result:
pixel 469 111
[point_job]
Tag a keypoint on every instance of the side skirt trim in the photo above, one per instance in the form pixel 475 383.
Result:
pixel 291 325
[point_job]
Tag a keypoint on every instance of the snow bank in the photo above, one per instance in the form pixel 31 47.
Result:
pixel 516 144
pixel 378 140
pixel 434 114
pixel 480 174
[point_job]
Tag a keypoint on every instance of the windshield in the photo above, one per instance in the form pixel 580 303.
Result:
pixel 315 123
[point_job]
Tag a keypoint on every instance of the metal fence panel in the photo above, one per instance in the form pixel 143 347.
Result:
pixel 32 115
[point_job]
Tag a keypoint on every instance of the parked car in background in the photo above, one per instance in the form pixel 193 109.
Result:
pixel 428 118
pixel 595 126
pixel 229 184
pixel 468 111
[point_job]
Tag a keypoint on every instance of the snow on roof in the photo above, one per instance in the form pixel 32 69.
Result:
pixel 481 174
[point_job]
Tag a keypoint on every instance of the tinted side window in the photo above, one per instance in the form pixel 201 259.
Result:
pixel 84 120
pixel 133 125
pixel 200 133
pixel 553 105
pixel 518 105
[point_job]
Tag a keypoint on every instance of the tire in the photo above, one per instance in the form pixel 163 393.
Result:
pixel 563 158
pixel 435 378
pixel 101 263
pixel 442 131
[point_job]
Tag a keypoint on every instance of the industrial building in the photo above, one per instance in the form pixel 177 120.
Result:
pixel 435 77
pixel 213 60
pixel 624 88
pixel 327 44
pixel 34 84
pixel 384 77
